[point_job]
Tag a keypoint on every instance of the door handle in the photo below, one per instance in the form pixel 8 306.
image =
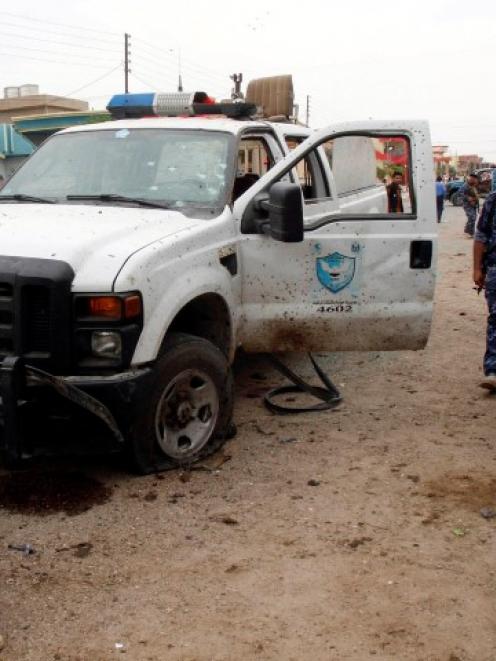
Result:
pixel 420 254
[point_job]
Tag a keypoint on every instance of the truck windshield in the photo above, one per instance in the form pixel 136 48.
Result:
pixel 176 168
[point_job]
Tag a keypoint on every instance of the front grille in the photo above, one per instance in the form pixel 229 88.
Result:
pixel 6 319
pixel 35 312
pixel 36 318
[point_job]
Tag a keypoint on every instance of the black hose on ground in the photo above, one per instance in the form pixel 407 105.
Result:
pixel 328 396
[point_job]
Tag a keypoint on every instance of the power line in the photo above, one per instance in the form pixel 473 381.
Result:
pixel 141 80
pixel 96 80
pixel 62 43
pixel 159 68
pixel 63 25
pixel 54 97
pixel 150 63
pixel 58 32
pixel 183 62
pixel 165 76
pixel 42 59
pixel 45 50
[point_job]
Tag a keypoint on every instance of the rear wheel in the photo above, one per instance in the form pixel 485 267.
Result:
pixel 188 415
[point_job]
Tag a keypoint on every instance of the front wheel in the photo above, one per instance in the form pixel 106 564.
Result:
pixel 188 414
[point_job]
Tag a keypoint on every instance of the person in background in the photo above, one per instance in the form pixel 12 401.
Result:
pixel 440 195
pixel 2 180
pixel 395 201
pixel 485 278
pixel 470 202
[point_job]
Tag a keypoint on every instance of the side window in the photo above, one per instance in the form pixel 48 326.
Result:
pixel 308 174
pixel 254 160
pixel 371 173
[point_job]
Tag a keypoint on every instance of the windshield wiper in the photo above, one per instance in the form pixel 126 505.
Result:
pixel 114 197
pixel 21 197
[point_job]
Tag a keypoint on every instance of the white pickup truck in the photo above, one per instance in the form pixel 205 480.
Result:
pixel 137 255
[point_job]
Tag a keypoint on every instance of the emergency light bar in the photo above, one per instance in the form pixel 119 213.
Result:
pixel 174 104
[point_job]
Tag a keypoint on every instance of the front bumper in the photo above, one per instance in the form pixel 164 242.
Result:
pixel 30 396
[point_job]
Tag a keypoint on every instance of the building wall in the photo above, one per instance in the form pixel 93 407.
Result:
pixel 39 104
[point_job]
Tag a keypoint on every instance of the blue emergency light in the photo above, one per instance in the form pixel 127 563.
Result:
pixel 174 104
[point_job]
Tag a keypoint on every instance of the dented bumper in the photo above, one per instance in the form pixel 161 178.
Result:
pixel 26 391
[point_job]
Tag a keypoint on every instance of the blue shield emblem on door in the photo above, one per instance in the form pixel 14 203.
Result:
pixel 335 271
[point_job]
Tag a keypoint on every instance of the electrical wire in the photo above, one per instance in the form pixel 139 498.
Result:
pixel 52 52
pixel 53 97
pixel 157 67
pixel 141 80
pixel 61 43
pixel 154 75
pixel 44 59
pixel 112 41
pixel 96 80
pixel 155 63
pixel 63 25
pixel 184 61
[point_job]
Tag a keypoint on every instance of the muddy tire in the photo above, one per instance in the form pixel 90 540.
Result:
pixel 188 413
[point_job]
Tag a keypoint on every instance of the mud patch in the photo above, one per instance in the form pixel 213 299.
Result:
pixel 47 492
pixel 470 491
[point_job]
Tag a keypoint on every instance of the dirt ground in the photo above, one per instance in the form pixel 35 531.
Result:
pixel 353 534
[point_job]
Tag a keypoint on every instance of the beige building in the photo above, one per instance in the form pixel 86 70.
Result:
pixel 26 101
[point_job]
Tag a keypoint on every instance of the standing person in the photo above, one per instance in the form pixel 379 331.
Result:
pixel 395 201
pixel 440 195
pixel 470 202
pixel 485 277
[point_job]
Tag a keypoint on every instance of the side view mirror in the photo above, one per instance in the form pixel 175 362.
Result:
pixel 285 207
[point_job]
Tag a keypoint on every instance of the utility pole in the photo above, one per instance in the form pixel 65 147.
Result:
pixel 237 79
pixel 127 61
pixel 308 110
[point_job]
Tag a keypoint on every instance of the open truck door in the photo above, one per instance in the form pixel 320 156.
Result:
pixel 359 271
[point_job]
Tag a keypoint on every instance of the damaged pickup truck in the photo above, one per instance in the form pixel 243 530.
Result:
pixel 137 255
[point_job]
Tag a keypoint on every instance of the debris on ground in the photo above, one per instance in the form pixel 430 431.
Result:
pixel 227 519
pixel 313 483
pixel 26 549
pixel 81 549
pixel 358 541
pixel 211 465
pixel 487 512
pixel 459 532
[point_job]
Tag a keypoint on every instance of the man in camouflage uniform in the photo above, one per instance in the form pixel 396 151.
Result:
pixel 470 202
pixel 485 277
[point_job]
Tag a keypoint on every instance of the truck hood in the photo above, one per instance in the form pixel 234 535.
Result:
pixel 94 240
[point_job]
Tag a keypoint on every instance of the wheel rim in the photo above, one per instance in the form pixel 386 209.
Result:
pixel 186 414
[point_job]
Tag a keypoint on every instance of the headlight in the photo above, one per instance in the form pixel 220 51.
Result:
pixel 106 344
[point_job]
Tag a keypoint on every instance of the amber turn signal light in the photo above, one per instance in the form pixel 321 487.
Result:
pixel 132 306
pixel 112 308
pixel 109 307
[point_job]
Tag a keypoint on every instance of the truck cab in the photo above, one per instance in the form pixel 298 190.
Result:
pixel 137 255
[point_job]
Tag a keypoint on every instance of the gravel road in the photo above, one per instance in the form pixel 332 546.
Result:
pixel 346 535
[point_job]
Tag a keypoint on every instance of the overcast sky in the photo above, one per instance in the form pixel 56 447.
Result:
pixel 356 59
